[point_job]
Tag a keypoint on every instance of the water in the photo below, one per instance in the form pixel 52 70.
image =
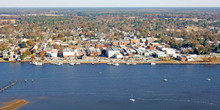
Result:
pixel 82 87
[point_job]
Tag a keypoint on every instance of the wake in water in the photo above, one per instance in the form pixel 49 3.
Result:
pixel 186 101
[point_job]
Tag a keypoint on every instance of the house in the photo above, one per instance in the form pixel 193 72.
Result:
pixel 5 54
pixel 124 42
pixel 134 41
pixel 12 56
pixel 22 50
pixel 182 58
pixel 115 43
pixel 151 47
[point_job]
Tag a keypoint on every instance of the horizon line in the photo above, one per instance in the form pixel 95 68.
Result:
pixel 110 7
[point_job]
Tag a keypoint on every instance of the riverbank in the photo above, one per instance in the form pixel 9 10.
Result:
pixel 136 62
pixel 14 105
pixel 121 62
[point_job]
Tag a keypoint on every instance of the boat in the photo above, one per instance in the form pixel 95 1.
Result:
pixel 165 79
pixel 134 63
pixel 132 99
pixel 78 63
pixel 208 79
pixel 38 63
pixel 53 63
pixel 153 63
pixel 72 63
pixel 59 63
pixel 109 63
pixel 127 63
pixel 93 63
pixel 115 64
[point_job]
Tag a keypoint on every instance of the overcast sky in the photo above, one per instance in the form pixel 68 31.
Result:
pixel 109 3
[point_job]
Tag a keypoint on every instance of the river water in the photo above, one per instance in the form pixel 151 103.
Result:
pixel 101 86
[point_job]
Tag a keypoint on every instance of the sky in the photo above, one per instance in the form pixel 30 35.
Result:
pixel 109 3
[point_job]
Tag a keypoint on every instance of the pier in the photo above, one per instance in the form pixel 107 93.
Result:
pixel 8 86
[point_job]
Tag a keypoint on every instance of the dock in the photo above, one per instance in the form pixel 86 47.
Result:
pixel 8 86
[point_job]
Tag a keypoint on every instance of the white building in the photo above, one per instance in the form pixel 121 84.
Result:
pixel 118 56
pixel 169 51
pixel 52 53
pixel 68 52
pixel 111 52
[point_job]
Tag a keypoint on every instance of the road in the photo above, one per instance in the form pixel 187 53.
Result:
pixel 45 40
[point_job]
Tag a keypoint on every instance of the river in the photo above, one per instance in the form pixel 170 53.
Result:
pixel 101 86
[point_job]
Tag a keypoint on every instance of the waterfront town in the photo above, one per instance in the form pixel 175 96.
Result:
pixel 49 36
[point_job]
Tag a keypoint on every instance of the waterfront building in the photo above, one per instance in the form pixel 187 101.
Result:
pixel 111 52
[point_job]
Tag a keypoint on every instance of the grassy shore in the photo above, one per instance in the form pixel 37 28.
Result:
pixel 14 105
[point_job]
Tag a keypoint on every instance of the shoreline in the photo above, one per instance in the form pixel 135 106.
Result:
pixel 14 105
pixel 137 62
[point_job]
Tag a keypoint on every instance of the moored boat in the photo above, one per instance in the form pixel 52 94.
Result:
pixel 78 63
pixel 38 63
pixel 153 63
pixel 134 63
pixel 115 64
pixel 72 63
pixel 109 63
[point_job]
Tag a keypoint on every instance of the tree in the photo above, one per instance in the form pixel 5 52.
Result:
pixel 42 53
pixel 22 57
pixel 42 58
pixel 33 56
pixel 56 46
pixel 23 45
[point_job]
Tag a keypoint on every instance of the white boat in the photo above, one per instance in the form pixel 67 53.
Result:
pixel 127 63
pixel 53 63
pixel 153 63
pixel 134 63
pixel 132 99
pixel 72 63
pixel 115 64
pixel 109 63
pixel 78 63
pixel 208 79
pixel 93 63
pixel 59 63
pixel 165 80
pixel 38 63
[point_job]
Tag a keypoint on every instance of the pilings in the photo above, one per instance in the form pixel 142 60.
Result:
pixel 11 83
pixel 8 86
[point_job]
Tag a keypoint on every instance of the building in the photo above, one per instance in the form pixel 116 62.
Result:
pixel 134 41
pixel 159 54
pixel 118 56
pixel 12 56
pixel 5 54
pixel 181 58
pixel 52 53
pixel 111 52
pixel 67 52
